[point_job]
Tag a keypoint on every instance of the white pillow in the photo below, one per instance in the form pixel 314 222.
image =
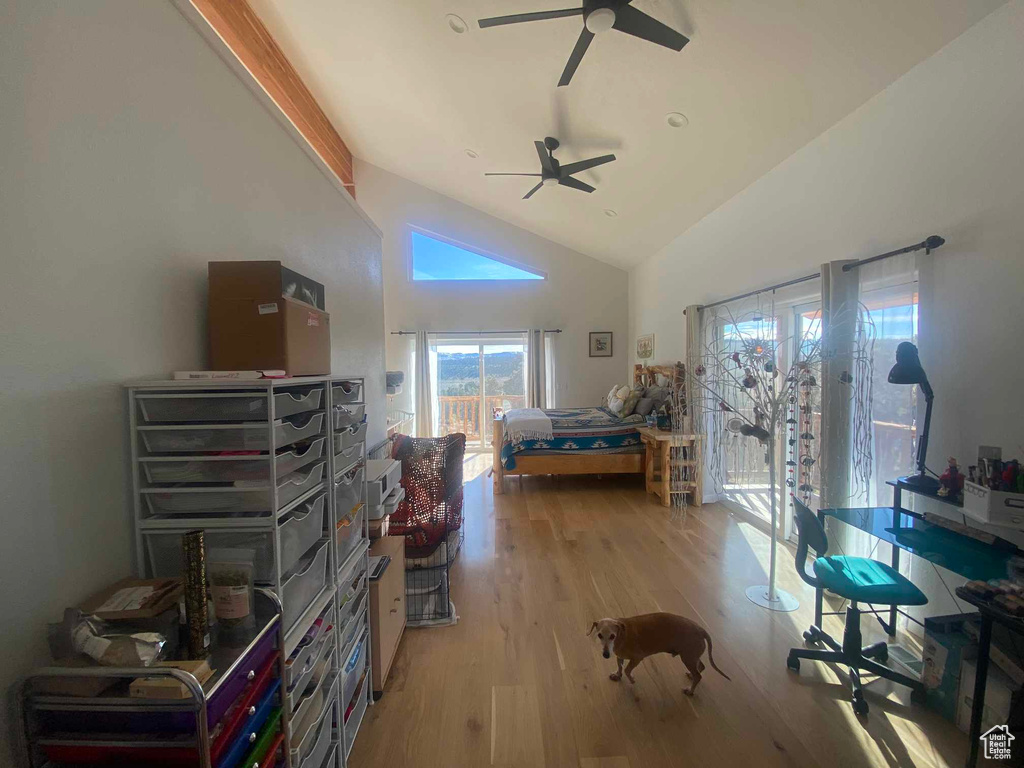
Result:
pixel 611 395
pixel 616 403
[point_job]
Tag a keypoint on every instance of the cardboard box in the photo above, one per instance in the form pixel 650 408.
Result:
pixel 277 334
pixel 945 646
pixel 253 326
pixel 1001 695
pixel 263 280
pixel 134 599
pixel 169 687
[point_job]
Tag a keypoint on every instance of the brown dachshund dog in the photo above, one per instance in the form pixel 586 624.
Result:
pixel 633 640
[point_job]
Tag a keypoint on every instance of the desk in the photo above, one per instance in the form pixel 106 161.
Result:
pixel 909 532
pixel 989 615
pixel 659 444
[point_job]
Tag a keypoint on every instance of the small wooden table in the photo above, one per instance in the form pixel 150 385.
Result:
pixel 659 444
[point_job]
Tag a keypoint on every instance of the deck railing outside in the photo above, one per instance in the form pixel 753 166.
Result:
pixel 461 413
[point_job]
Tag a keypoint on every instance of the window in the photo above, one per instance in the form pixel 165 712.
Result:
pixel 475 376
pixel 437 259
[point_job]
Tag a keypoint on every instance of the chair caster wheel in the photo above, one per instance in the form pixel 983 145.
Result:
pixel 811 636
pixel 793 663
pixel 883 657
pixel 860 707
pixel 917 696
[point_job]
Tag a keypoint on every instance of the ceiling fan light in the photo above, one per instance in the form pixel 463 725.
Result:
pixel 550 181
pixel 600 20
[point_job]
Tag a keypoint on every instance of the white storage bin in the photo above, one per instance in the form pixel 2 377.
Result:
pixel 994 507
pixel 355 717
pixel 208 502
pixel 346 460
pixel 227 469
pixel 313 671
pixel 309 645
pixel 311 711
pixel 348 491
pixel 347 392
pixel 349 437
pixel 229 437
pixel 352 665
pixel 304 584
pixel 356 620
pixel 166 558
pixel 350 531
pixel 225 406
pixel 224 501
pixel 314 748
pixel 301 529
pixel 349 590
pixel 346 416
pixel 293 485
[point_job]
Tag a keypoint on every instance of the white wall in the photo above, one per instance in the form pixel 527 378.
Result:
pixel 937 152
pixel 580 294
pixel 131 156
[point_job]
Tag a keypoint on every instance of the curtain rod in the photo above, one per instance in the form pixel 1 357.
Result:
pixel 413 333
pixel 929 244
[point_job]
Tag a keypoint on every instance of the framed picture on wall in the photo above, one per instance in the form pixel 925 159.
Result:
pixel 645 347
pixel 600 343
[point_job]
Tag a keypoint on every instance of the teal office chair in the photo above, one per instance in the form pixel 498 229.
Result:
pixel 859 580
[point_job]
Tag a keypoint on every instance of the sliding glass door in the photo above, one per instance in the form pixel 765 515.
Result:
pixel 475 376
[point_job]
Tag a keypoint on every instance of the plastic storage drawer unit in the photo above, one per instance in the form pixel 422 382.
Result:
pixel 229 500
pixel 234 406
pixel 230 437
pixel 346 416
pixel 354 711
pixel 347 459
pixel 304 585
pixel 301 529
pixel 349 437
pixel 348 491
pixel 228 469
pixel 347 392
pixel 350 531
pixel 354 665
pixel 314 748
pixel 309 646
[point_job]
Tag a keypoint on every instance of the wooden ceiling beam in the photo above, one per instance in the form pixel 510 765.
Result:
pixel 242 31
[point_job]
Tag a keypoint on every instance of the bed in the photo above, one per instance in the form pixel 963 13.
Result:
pixel 586 441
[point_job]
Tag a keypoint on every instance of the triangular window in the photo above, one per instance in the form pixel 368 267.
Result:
pixel 435 259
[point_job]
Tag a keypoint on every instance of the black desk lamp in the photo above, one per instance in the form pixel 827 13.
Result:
pixel 908 370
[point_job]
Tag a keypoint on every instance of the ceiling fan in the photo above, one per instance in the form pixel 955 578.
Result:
pixel 600 16
pixel 552 172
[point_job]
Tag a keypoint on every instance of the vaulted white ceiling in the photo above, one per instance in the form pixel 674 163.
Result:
pixel 757 82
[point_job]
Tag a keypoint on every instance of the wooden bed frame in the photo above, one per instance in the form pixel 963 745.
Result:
pixel 569 464
pixel 578 464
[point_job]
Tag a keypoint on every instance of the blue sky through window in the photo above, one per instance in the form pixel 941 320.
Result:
pixel 436 260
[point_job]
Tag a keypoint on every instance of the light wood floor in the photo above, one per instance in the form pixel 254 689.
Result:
pixel 517 683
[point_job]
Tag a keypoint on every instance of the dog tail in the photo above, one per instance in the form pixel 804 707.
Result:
pixel 711 658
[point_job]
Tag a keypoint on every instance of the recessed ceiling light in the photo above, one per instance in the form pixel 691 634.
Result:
pixel 610 213
pixel 457 25
pixel 677 119
pixel 471 154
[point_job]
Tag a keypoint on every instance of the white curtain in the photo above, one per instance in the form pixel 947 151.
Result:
pixel 426 385
pixel 551 383
pixel 887 294
pixel 536 369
